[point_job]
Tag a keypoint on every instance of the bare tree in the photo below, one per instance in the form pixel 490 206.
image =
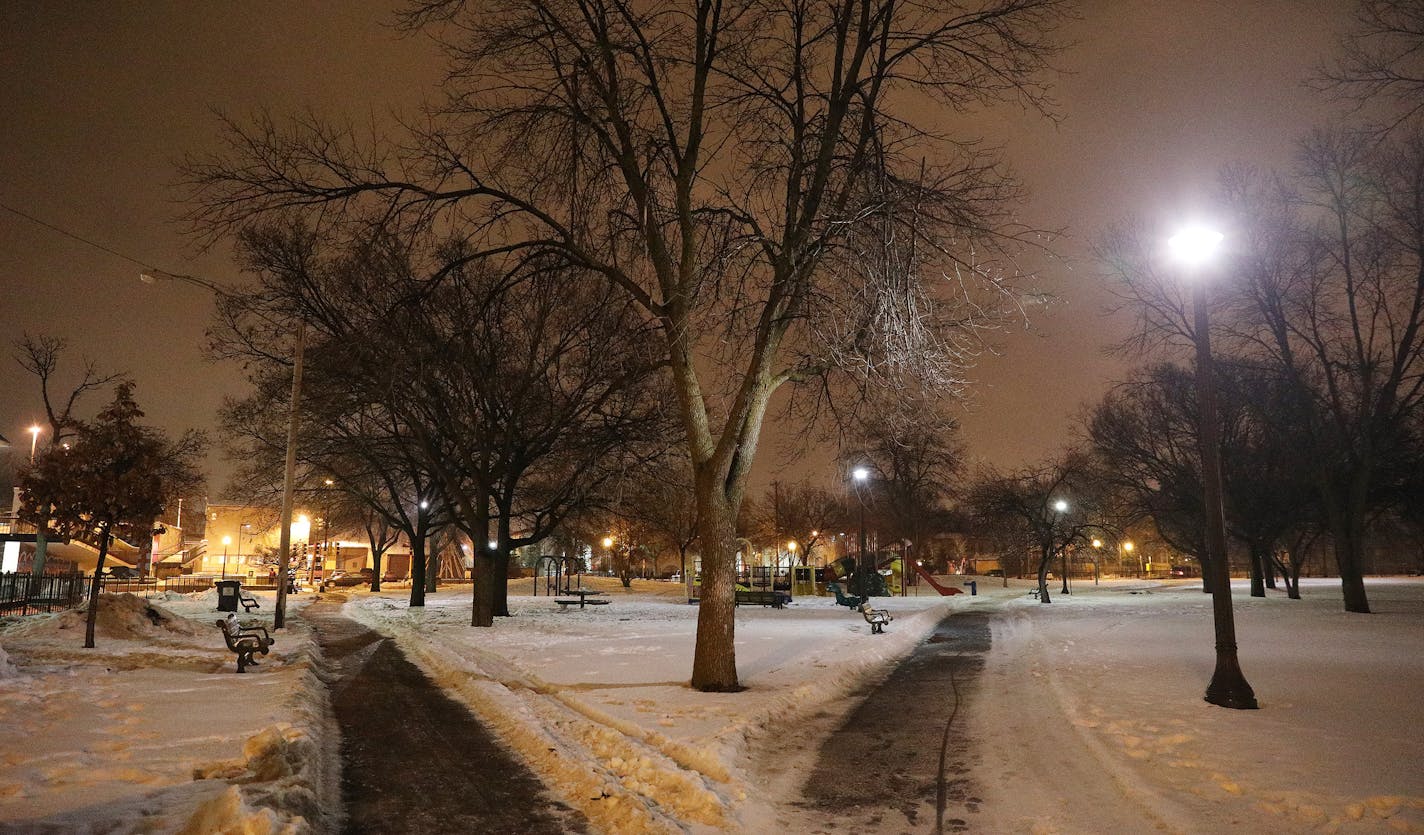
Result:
pixel 914 453
pixel 727 164
pixel 1381 60
pixel 1048 508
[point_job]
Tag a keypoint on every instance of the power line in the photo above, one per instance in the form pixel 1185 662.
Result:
pixel 68 234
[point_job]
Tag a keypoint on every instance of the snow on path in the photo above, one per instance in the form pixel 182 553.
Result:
pixel 1088 717
pixel 152 731
pixel 1092 718
pixel 596 700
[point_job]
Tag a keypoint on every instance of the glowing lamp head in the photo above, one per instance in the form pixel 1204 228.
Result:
pixel 1127 546
pixel 424 505
pixel 34 430
pixel 1060 506
pixel 791 546
pixel 1194 245
pixel 860 474
pixel 608 542
pixel 227 540
pixel 1097 543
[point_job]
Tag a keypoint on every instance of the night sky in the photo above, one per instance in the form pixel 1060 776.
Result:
pixel 98 101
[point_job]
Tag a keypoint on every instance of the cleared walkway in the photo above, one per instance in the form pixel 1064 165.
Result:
pixel 901 762
pixel 412 759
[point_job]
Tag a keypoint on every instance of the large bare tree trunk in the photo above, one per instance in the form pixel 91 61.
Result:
pixel 500 601
pixel 1259 562
pixel 714 661
pixel 1346 517
pixel 482 583
pixel 1045 557
pixel 417 568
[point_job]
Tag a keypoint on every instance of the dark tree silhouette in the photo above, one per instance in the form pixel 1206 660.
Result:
pixel 112 479
pixel 732 168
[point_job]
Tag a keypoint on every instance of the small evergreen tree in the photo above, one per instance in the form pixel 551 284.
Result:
pixel 113 480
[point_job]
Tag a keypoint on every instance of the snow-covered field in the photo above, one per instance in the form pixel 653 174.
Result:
pixel 1088 716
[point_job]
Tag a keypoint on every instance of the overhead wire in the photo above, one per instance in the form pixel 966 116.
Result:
pixel 68 234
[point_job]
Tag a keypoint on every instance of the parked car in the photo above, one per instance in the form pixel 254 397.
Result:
pixel 341 579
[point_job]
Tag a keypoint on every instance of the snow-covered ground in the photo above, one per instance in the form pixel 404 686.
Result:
pixel 1087 718
pixel 152 731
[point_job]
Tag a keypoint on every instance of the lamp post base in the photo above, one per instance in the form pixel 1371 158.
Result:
pixel 1229 688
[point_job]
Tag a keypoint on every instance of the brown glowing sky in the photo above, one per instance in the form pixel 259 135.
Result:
pixel 97 102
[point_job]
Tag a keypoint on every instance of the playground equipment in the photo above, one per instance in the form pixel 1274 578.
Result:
pixel 558 573
pixel 844 569
pixel 850 601
pixel 942 589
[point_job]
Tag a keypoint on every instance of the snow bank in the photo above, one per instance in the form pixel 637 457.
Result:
pixel 153 731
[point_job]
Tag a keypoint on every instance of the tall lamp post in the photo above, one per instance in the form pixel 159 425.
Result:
pixel 284 561
pixel 864 565
pixel 227 540
pixel 1193 248
pixel 41 543
pixel 1061 507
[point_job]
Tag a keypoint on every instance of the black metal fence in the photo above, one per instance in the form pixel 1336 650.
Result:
pixel 26 594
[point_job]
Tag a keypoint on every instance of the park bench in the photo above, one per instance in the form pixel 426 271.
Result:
pixel 582 598
pixel 1036 594
pixel 774 599
pixel 877 618
pixel 248 602
pixel 245 641
pixel 849 601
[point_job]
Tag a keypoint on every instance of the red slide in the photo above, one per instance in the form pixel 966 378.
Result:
pixel 944 590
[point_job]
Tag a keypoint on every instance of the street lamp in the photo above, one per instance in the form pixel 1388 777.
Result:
pixel 1097 551
pixel 1128 546
pixel 1193 248
pixel 227 540
pixel 1061 506
pixel 289 469
pixel 34 439
pixel 862 573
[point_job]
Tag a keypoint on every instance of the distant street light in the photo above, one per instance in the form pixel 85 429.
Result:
pixel 1062 507
pixel 865 566
pixel 34 439
pixel 1194 248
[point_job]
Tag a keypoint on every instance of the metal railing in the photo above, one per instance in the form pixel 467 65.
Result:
pixel 26 594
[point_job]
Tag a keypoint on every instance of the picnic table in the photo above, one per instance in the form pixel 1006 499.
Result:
pixel 583 596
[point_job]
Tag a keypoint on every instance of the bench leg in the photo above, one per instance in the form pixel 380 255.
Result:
pixel 243 657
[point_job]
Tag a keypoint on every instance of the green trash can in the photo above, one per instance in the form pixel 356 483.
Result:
pixel 228 593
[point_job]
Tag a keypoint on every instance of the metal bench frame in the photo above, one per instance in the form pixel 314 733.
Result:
pixel 246 642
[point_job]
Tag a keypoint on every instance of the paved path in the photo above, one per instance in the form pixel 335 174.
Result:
pixel 412 759
pixel 901 762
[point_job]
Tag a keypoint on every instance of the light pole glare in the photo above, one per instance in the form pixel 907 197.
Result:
pixel 1194 245
pixel 860 473
pixel 1060 506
